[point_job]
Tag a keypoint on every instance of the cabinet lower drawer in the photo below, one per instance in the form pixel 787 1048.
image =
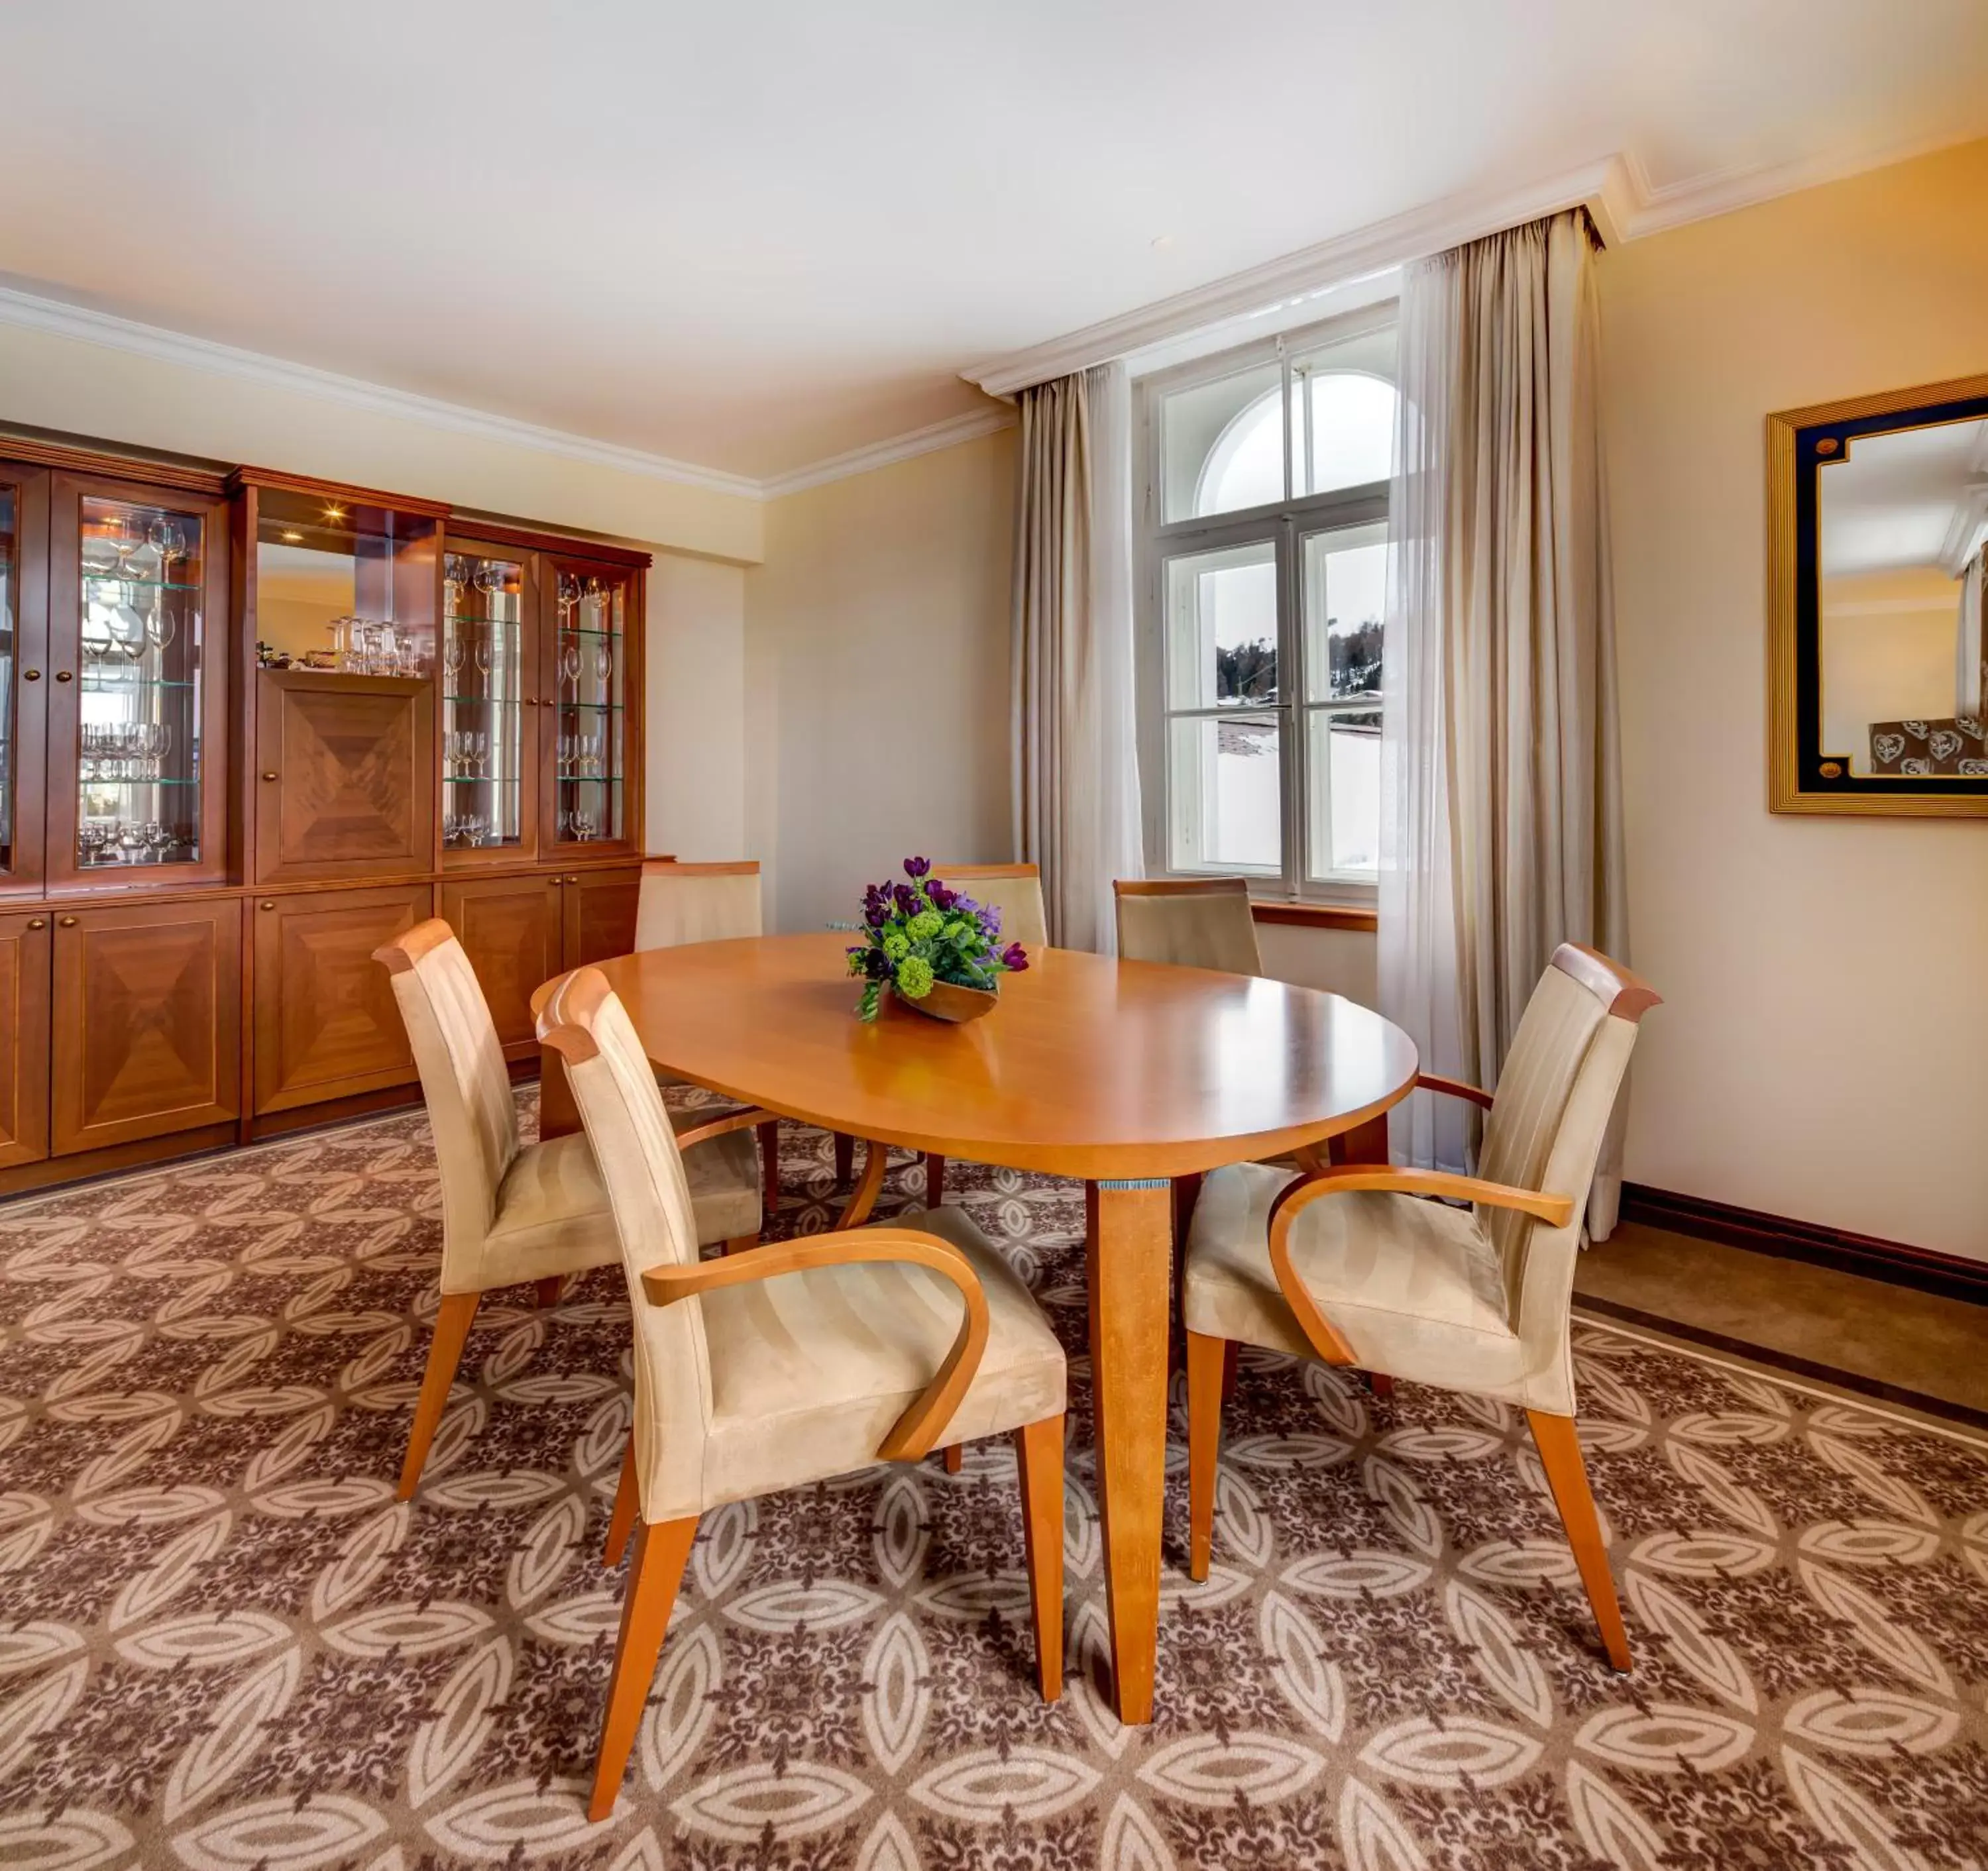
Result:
pixel 326 1023
pixel 145 1022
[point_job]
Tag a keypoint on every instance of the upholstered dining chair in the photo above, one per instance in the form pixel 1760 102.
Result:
pixel 681 904
pixel 1355 1265
pixel 791 1362
pixel 515 1213
pixel 1190 922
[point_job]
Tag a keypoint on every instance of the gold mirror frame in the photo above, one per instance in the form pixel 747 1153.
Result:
pixel 1807 778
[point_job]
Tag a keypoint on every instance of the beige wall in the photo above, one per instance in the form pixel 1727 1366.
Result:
pixel 1827 979
pixel 695 715
pixel 877 679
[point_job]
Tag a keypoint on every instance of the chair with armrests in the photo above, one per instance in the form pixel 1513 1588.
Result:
pixel 790 1363
pixel 515 1213
pixel 681 904
pixel 1354 1264
pixel 1189 922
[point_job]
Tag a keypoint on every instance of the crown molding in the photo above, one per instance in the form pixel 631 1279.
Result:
pixel 1656 208
pixel 946 434
pixel 28 312
pixel 1604 188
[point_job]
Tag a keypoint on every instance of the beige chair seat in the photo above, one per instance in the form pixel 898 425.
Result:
pixel 1415 1287
pixel 553 1216
pixel 809 1370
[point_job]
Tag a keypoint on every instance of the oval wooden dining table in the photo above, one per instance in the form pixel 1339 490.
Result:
pixel 1126 1074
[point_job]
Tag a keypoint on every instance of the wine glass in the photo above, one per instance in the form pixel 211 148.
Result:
pixel 454 576
pixel 568 664
pixel 161 625
pixel 451 653
pixel 569 597
pixel 99 554
pixel 166 539
pixel 603 661
pixel 130 841
pixel 485 655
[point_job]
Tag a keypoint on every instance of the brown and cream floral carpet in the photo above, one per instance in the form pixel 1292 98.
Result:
pixel 224 1646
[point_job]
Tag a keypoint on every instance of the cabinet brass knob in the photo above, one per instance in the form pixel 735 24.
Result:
pixel 68 922
pixel 31 675
pixel 268 776
pixel 38 922
pixel 265 906
pixel 62 675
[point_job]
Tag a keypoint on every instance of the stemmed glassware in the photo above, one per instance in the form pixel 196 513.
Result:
pixel 568 664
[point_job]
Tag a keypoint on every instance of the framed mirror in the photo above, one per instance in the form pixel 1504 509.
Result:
pixel 1878 558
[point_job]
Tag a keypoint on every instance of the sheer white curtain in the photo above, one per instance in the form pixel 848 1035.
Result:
pixel 1501 768
pixel 1076 771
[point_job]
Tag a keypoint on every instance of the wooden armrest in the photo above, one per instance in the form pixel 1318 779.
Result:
pixel 1555 1211
pixel 917 1432
pixel 1453 1088
pixel 749 1120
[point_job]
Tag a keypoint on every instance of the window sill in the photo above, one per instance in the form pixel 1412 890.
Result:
pixel 1318 915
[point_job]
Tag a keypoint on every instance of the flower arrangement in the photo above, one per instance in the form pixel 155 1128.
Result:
pixel 923 932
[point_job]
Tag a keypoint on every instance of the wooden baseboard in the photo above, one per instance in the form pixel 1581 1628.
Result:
pixel 1952 1276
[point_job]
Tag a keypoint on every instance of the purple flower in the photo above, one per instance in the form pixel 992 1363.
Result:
pixel 940 897
pixel 1014 958
pixel 917 866
pixel 990 919
pixel 877 965
pixel 907 899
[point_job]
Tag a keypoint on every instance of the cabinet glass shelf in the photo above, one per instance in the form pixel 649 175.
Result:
pixel 486 779
pixel 486 702
pixel 90 783
pixel 137 584
pixel 583 779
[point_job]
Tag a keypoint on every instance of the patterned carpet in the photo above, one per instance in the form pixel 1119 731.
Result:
pixel 223 1644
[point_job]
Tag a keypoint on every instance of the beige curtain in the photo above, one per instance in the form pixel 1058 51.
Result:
pixel 1076 776
pixel 1501 763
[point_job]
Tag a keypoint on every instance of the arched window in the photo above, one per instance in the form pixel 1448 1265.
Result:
pixel 1342 436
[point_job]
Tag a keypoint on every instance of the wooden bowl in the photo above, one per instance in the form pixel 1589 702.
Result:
pixel 947 1001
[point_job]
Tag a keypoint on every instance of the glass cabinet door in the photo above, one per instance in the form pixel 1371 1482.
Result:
pixel 487 742
pixel 134 754
pixel 588 682
pixel 23 645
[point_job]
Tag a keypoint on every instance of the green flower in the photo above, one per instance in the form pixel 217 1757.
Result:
pixel 897 944
pixel 960 933
pixel 926 923
pixel 914 978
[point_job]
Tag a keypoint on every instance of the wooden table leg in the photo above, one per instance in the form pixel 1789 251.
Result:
pixel 1130 1226
pixel 559 1116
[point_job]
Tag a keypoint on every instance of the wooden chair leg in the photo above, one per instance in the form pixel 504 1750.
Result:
pixel 451 1329
pixel 1232 1357
pixel 1567 1475
pixel 549 1290
pixel 1039 1455
pixel 654 1575
pixel 954 1457
pixel 1381 1384
pixel 1206 1357
pixel 934 1180
pixel 627 1499
pixel 739 1243
pixel 845 1159
pixel 769 1167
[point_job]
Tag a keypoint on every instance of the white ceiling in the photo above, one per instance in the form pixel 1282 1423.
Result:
pixel 753 236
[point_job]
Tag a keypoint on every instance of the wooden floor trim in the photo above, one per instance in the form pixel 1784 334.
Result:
pixel 1951 1275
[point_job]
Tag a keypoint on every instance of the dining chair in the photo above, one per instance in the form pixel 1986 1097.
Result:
pixel 1016 891
pixel 514 1213
pixel 680 903
pixel 1189 922
pixel 1364 1264
pixel 790 1363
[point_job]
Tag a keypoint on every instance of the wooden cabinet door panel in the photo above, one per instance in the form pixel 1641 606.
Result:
pixel 510 928
pixel 599 916
pixel 345 776
pixel 24 684
pixel 146 1025
pixel 326 1023
pixel 24 1038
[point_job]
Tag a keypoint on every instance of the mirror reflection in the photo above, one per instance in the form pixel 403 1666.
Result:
pixel 1902 527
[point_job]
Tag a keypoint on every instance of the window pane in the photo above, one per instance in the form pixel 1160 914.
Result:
pixel 1343 403
pixel 1345 598
pixel 1224 794
pixel 1344 808
pixel 1222 626
pixel 1222 445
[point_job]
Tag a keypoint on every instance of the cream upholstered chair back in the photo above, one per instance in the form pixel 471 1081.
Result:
pixel 696 902
pixel 1015 889
pixel 1554 1098
pixel 1191 922
pixel 466 1084
pixel 614 1085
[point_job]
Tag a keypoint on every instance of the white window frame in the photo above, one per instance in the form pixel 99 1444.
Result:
pixel 1286 524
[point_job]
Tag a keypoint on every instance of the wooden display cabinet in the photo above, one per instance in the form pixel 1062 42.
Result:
pixel 284 816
